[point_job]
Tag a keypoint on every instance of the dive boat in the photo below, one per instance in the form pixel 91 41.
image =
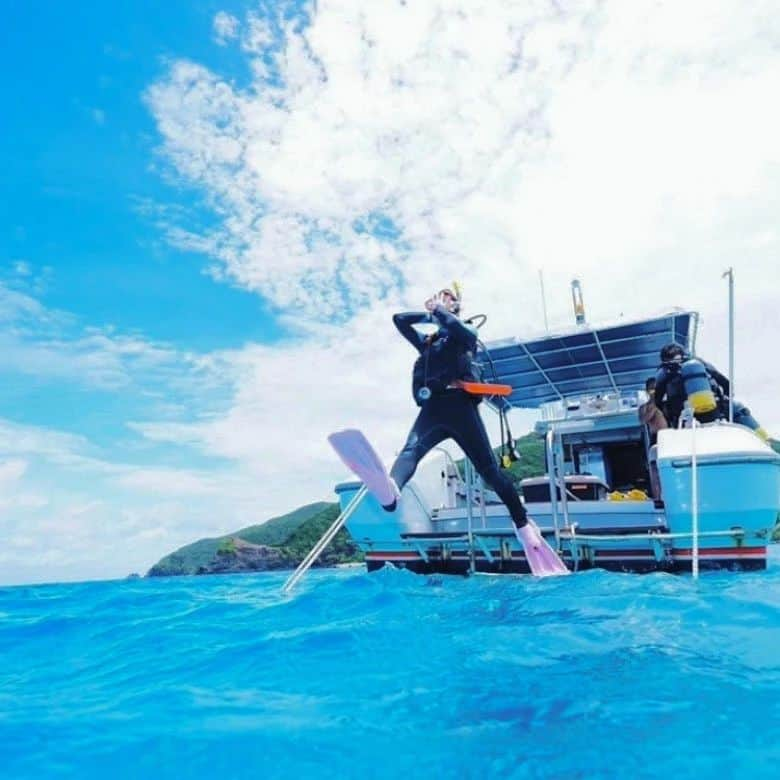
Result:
pixel 704 496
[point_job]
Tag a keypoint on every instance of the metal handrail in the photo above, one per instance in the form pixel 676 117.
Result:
pixel 551 470
pixel 561 459
pixel 470 511
pixel 694 498
pixel 651 535
pixel 324 541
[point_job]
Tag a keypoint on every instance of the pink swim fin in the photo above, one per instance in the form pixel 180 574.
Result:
pixel 359 456
pixel 542 559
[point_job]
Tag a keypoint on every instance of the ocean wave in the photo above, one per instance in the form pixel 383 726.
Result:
pixel 595 675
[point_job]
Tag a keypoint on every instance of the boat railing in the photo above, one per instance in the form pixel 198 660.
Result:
pixel 557 483
pixel 694 497
pixel 474 486
pixel 736 533
pixel 570 534
pixel 579 545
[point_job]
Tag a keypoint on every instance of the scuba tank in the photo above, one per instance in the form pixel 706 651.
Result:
pixel 696 383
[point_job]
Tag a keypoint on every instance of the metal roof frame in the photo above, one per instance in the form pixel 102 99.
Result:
pixel 616 358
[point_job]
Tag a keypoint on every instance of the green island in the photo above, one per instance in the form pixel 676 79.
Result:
pixel 282 542
pixel 279 543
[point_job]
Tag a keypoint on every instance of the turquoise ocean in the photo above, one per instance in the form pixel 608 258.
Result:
pixel 390 674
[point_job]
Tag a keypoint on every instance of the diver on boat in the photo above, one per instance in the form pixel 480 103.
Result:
pixel 682 378
pixel 446 359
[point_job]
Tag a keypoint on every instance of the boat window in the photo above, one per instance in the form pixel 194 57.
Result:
pixel 626 466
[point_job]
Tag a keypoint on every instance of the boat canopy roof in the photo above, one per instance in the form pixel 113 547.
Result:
pixel 617 358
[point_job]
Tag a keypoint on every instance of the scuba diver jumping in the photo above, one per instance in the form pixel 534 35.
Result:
pixel 446 359
pixel 446 386
pixel 446 411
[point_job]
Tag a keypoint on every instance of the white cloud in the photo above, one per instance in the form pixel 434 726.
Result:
pixel 63 496
pixel 11 470
pixel 402 112
pixel 31 440
pixel 225 27
pixel 632 145
pixel 172 482
pixel 259 35
pixel 51 344
pixel 76 511
pixel 18 305
pixel 496 140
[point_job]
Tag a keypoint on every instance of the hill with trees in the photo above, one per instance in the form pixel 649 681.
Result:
pixel 279 543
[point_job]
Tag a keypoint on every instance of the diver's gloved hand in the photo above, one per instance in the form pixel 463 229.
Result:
pixel 440 299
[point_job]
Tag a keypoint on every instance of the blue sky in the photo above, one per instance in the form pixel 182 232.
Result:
pixel 84 192
pixel 86 268
pixel 210 210
pixel 79 165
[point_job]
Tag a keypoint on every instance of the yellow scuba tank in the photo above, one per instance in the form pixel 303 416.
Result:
pixel 696 382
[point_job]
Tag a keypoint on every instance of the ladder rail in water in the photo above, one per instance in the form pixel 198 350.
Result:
pixel 324 541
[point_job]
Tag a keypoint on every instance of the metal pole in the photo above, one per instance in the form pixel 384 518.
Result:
pixel 324 541
pixel 552 477
pixel 470 510
pixel 544 301
pixel 482 503
pixel 561 458
pixel 730 274
pixel 694 501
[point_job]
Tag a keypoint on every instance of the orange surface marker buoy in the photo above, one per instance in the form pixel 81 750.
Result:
pixel 481 388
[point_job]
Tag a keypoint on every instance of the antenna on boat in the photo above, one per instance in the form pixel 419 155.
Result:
pixel 730 274
pixel 576 299
pixel 544 302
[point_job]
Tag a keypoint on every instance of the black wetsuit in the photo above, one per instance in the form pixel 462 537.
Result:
pixel 669 383
pixel 449 413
